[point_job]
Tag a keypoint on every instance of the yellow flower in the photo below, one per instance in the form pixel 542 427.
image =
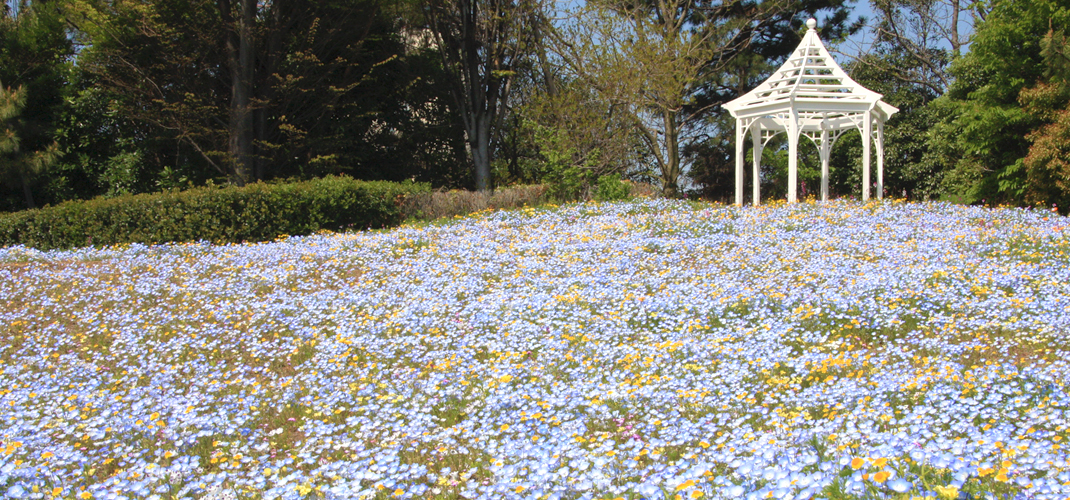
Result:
pixel 1001 476
pixel 881 476
pixel 949 492
pixel 857 463
pixel 85 495
pixel 46 455
pixel 696 494
pixel 880 462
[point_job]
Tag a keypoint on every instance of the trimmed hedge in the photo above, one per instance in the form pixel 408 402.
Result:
pixel 256 212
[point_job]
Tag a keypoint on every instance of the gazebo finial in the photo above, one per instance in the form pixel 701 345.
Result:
pixel 810 95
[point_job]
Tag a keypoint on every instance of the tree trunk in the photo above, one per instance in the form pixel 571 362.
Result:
pixel 268 67
pixel 479 41
pixel 956 45
pixel 27 193
pixel 670 174
pixel 479 142
pixel 240 52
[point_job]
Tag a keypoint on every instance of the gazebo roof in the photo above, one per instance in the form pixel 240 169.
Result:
pixel 810 81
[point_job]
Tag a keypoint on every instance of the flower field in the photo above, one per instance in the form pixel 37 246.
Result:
pixel 650 349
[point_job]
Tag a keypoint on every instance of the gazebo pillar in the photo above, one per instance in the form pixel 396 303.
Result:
pixel 867 138
pixel 826 151
pixel 740 148
pixel 880 159
pixel 793 157
pixel 756 155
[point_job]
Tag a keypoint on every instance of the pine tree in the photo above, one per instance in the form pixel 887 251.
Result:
pixel 18 167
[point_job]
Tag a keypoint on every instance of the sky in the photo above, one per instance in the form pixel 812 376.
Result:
pixel 856 44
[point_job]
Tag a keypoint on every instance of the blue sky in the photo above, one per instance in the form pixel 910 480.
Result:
pixel 861 9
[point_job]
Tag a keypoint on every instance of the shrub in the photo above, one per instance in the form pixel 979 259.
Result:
pixel 439 204
pixel 611 188
pixel 256 212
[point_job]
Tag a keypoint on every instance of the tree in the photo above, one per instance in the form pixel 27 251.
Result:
pixel 19 167
pixel 599 135
pixel 1047 164
pixel 925 35
pixel 648 60
pixel 981 138
pixel 250 90
pixel 34 50
pixel 481 42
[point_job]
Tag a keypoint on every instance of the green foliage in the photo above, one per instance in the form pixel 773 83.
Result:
pixel 1048 163
pixel 982 136
pixel 338 86
pixel 598 134
pixel 106 154
pixel 34 52
pixel 569 174
pixel 19 167
pixel 566 183
pixel 256 212
pixel 611 188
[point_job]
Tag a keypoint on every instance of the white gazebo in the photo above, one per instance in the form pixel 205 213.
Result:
pixel 809 95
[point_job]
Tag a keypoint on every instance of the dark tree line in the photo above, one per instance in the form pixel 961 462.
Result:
pixel 142 96
pixel 103 97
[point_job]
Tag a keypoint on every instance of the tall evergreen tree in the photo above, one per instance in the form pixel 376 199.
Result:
pixel 249 90
pixel 17 166
pixel 34 63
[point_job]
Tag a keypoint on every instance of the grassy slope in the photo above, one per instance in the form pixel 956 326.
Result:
pixel 641 349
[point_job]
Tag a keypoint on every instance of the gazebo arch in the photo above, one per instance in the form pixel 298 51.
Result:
pixel 810 95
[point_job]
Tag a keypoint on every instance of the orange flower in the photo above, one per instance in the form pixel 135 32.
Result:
pixel 685 485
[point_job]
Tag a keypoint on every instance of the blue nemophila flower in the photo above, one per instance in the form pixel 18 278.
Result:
pixel 619 348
